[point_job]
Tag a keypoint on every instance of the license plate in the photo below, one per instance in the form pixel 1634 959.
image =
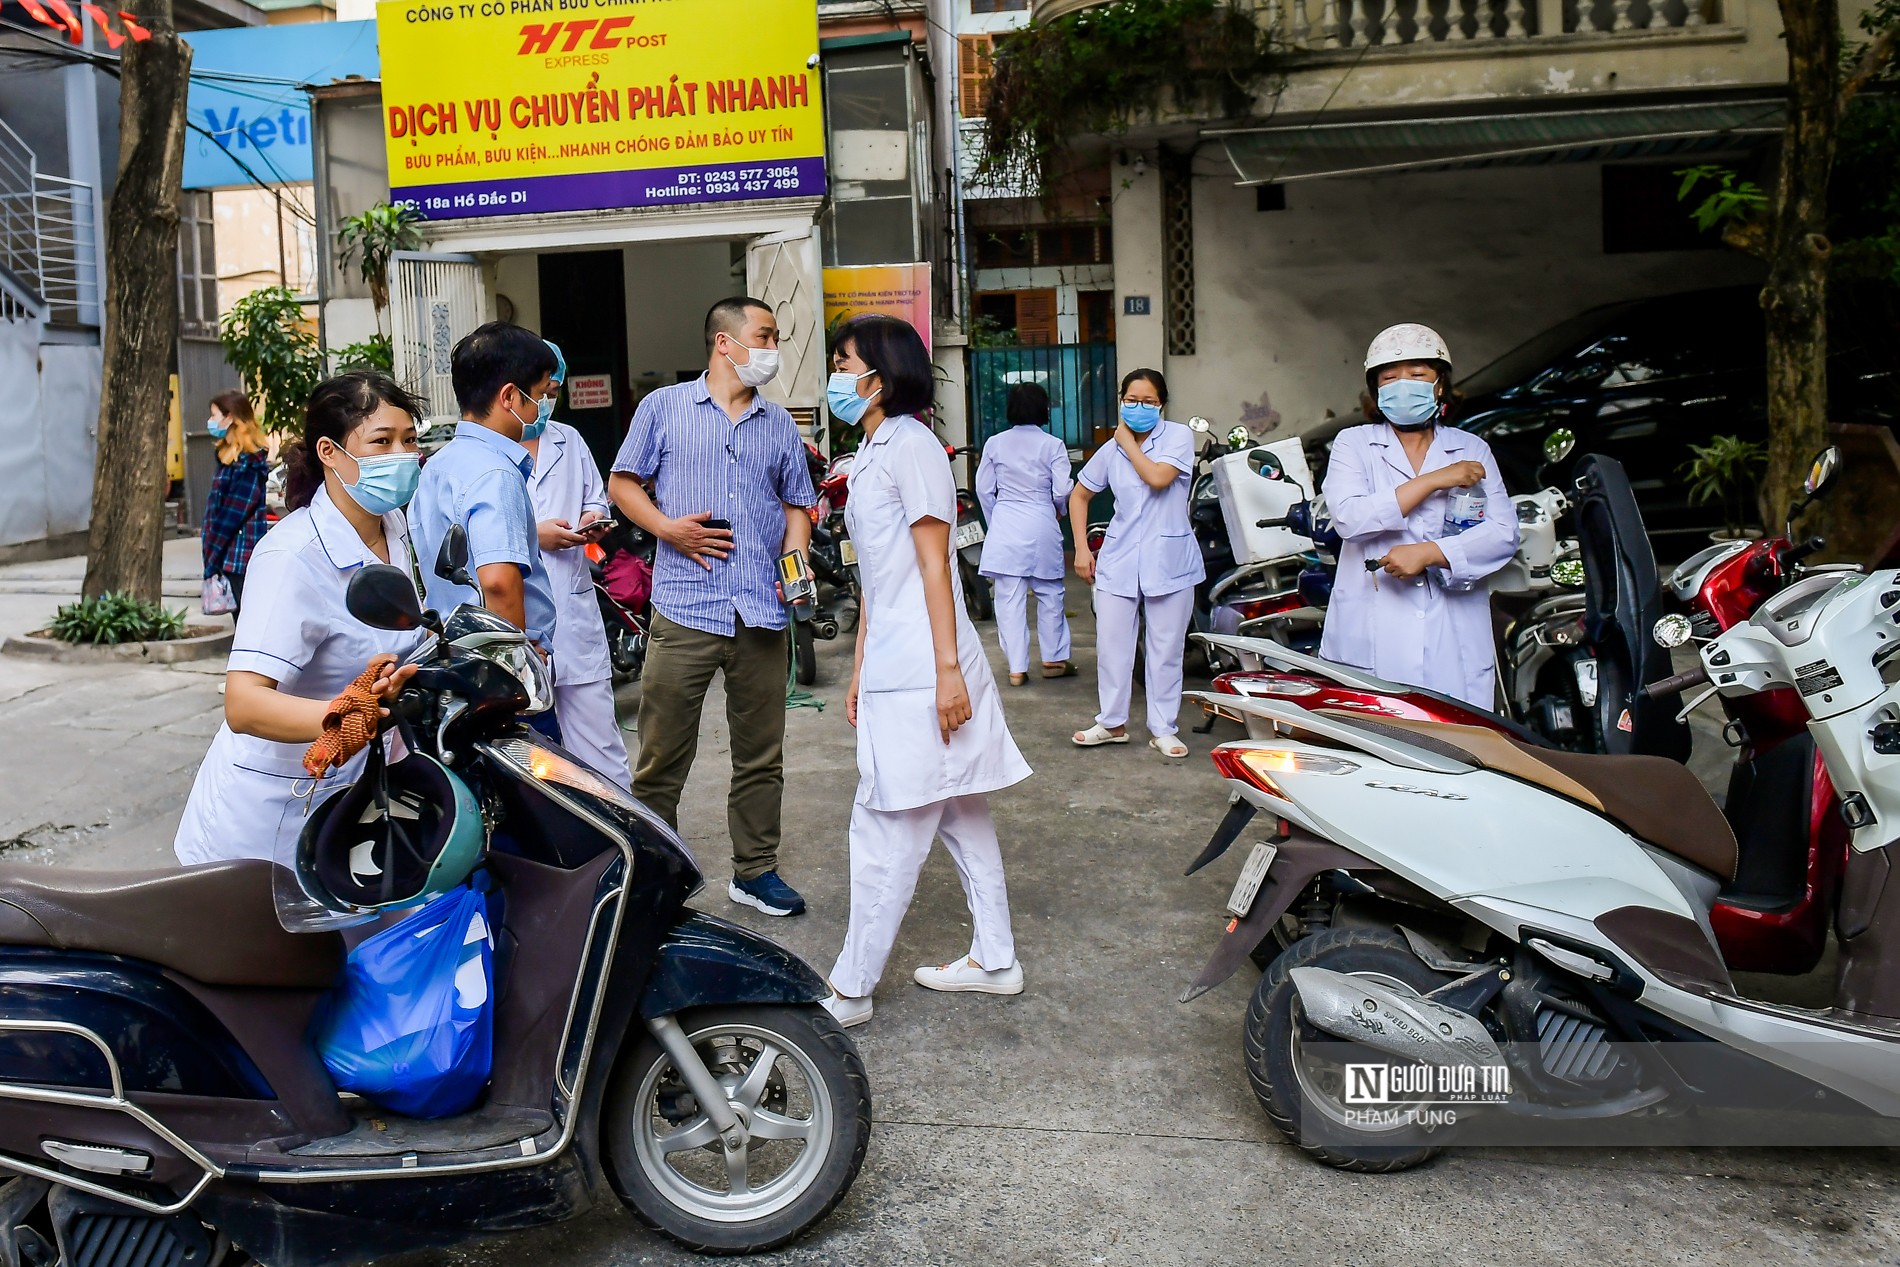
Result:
pixel 847 553
pixel 968 534
pixel 1247 887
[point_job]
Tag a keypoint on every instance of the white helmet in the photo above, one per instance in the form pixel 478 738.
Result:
pixel 1408 341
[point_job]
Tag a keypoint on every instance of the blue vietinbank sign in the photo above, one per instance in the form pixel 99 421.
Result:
pixel 246 111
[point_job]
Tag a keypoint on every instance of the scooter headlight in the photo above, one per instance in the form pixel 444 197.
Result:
pixel 526 666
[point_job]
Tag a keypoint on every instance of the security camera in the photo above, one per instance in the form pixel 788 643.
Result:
pixel 811 63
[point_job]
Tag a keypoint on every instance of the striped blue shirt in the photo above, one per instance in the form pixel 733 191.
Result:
pixel 699 461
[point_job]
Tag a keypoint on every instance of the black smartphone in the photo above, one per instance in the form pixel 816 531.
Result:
pixel 718 525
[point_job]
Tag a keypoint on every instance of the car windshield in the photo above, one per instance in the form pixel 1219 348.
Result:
pixel 1541 352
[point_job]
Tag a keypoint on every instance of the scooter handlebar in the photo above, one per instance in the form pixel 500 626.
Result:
pixel 1677 684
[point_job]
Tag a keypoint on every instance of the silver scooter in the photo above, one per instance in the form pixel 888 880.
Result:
pixel 1521 935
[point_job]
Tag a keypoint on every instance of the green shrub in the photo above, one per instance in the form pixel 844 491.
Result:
pixel 117 617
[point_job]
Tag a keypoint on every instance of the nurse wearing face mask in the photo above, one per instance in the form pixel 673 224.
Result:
pixel 932 743
pixel 1387 485
pixel 297 646
pixel 1149 564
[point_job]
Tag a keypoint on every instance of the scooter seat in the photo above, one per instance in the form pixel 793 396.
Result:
pixel 216 924
pixel 1656 800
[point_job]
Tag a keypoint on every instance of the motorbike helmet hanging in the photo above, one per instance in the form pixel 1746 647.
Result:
pixel 398 836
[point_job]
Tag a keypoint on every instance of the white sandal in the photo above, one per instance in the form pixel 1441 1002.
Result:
pixel 1169 746
pixel 1095 736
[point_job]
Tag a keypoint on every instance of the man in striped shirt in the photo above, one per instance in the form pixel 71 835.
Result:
pixel 718 475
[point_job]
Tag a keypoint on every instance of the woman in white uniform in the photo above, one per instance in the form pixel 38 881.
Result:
pixel 1023 483
pixel 931 738
pixel 1423 616
pixel 297 646
pixel 570 505
pixel 1149 564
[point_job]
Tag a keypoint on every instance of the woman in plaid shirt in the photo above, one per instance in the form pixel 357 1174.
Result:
pixel 234 520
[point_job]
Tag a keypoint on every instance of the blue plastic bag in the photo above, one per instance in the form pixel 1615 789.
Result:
pixel 411 1024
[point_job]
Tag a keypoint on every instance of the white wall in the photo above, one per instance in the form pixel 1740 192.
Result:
pixel 519 278
pixel 669 287
pixel 1286 301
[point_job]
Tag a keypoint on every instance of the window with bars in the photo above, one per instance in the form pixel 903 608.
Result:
pixel 1027 246
pixel 197 267
pixel 1177 252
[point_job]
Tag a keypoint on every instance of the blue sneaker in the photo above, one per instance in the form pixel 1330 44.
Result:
pixel 768 893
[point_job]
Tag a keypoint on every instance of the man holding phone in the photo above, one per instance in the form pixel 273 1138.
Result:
pixel 728 495
pixel 571 511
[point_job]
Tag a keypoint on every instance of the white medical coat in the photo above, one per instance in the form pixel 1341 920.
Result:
pixel 295 630
pixel 1150 549
pixel 1022 484
pixel 566 484
pixel 1413 630
pixel 901 477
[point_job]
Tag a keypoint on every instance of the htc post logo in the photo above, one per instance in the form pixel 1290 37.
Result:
pixel 1368 1084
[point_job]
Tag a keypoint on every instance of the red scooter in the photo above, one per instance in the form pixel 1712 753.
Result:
pixel 1773 914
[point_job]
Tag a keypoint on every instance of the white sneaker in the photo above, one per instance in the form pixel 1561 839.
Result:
pixel 847 1012
pixel 966 976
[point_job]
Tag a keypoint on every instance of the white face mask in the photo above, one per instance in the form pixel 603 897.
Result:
pixel 760 368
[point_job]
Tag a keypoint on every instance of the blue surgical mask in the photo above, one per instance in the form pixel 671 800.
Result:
pixel 385 482
pixel 841 393
pixel 543 413
pixel 217 428
pixel 1141 419
pixel 1409 404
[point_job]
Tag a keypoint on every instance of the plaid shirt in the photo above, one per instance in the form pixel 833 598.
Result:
pixel 234 515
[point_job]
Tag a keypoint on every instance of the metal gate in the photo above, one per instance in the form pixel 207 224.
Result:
pixel 782 270
pixel 433 301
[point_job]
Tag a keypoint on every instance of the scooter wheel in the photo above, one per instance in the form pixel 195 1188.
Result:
pixel 806 655
pixel 1294 1067
pixel 807 1114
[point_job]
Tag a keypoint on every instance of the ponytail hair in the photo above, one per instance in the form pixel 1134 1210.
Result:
pixel 338 406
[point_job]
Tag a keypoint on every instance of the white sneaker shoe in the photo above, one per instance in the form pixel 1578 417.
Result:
pixel 847 1012
pixel 966 976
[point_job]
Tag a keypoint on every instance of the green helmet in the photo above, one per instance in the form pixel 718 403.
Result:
pixel 398 836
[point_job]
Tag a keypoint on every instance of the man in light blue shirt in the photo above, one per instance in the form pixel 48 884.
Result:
pixel 479 479
pixel 729 491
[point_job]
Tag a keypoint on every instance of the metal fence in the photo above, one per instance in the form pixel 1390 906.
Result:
pixel 1079 377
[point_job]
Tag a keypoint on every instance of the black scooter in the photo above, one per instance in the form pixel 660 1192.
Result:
pixel 163 1105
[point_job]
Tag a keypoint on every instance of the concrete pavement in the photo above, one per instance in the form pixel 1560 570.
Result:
pixel 1093 1120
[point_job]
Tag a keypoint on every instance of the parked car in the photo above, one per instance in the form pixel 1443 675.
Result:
pixel 1642 380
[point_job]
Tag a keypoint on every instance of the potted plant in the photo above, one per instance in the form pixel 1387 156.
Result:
pixel 1727 470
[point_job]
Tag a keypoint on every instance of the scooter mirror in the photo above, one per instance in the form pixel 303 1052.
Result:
pixel 1567 573
pixel 1237 436
pixel 451 561
pixel 1672 631
pixel 383 597
pixel 1558 444
pixel 1822 471
pixel 1199 425
pixel 1266 464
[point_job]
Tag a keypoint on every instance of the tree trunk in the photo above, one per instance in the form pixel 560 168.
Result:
pixel 140 296
pixel 1794 301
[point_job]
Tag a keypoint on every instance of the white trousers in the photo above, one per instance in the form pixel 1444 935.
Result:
pixel 1117 621
pixel 888 848
pixel 1012 620
pixel 591 730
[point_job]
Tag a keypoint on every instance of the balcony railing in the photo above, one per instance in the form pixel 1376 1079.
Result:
pixel 46 238
pixel 1311 25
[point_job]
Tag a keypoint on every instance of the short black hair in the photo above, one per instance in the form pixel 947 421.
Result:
pixel 494 355
pixel 728 316
pixel 1152 377
pixel 896 351
pixel 1028 405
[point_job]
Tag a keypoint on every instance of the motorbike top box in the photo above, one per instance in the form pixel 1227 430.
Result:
pixel 1246 497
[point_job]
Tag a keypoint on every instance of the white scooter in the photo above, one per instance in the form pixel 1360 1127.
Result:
pixel 1526 931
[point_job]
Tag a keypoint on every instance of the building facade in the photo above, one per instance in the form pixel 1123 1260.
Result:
pixel 1488 167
